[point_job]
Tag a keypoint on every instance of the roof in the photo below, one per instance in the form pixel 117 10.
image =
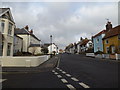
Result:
pixel 24 31
pixel 18 36
pixel 98 34
pixel 112 32
pixel 21 31
pixel 34 45
pixel 5 10
pixel 2 10
pixel 84 42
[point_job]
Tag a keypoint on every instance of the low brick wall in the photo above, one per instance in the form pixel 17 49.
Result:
pixel 23 61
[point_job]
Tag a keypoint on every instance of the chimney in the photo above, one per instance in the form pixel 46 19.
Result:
pixel 108 26
pixel 31 31
pixel 26 27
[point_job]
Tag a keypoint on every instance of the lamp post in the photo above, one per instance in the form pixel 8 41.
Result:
pixel 51 44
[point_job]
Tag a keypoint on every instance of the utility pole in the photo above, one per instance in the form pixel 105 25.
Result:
pixel 51 45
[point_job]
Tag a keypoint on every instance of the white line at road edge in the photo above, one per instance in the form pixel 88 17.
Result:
pixel 84 85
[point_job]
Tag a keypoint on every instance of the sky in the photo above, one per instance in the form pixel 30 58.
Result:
pixel 65 21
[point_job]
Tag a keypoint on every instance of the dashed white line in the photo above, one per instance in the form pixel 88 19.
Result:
pixel 74 79
pixel 60 70
pixel 84 85
pixel 59 76
pixel 55 73
pixel 68 75
pixel 57 68
pixel 64 80
pixel 63 72
pixel 2 80
pixel 53 70
pixel 70 87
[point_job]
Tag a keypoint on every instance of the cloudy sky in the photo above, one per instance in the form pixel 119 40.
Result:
pixel 66 21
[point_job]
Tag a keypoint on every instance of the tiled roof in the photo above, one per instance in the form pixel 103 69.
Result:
pixel 84 42
pixel 112 32
pixel 102 32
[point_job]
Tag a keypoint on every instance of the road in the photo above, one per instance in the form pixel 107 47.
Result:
pixel 72 71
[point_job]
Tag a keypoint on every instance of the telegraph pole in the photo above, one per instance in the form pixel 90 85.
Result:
pixel 51 45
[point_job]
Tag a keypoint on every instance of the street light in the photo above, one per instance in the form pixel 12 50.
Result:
pixel 51 44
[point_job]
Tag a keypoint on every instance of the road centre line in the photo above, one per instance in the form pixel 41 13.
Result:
pixel 59 76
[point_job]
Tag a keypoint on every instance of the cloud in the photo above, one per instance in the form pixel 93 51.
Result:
pixel 66 21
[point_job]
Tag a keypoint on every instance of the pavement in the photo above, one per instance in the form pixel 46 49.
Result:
pixel 69 71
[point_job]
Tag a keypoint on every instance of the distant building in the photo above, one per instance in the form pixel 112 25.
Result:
pixel 7 30
pixel 51 48
pixel 83 45
pixel 28 37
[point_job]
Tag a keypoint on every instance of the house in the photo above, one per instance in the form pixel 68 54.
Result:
pixel 111 40
pixel 97 41
pixel 69 48
pixel 52 48
pixel 85 45
pixel 7 30
pixel 28 37
pixel 18 44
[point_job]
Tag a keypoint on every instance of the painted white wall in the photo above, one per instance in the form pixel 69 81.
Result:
pixel 35 50
pixel 23 61
pixel 54 48
pixel 25 42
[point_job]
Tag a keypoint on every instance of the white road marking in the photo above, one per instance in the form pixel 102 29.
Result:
pixel 59 76
pixel 55 73
pixel 74 79
pixel 68 75
pixel 60 70
pixel 2 80
pixel 63 72
pixel 84 85
pixel 64 80
pixel 70 87
pixel 57 68
pixel 53 70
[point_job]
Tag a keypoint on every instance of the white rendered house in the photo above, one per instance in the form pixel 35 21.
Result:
pixel 7 26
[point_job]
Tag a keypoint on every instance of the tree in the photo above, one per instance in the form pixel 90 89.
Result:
pixel 44 50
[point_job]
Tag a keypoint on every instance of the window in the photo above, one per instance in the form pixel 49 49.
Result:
pixel 2 26
pixel 9 49
pixel 107 42
pixel 97 40
pixel 118 37
pixel 10 29
pixel 1 49
pixel 107 49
